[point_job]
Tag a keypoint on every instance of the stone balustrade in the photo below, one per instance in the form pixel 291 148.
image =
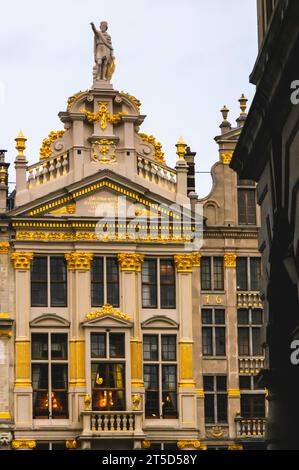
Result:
pixel 108 422
pixel 156 173
pixel 250 365
pixel 249 299
pixel 254 427
pixel 47 170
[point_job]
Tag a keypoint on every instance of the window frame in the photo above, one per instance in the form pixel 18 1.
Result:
pixel 212 259
pixel 213 326
pixel 246 188
pixel 158 284
pixel 249 326
pixel 105 281
pixel 249 276
pixel 215 392
pixel 50 362
pixel 48 282
pixel 159 363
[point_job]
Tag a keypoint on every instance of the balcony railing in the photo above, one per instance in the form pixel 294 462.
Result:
pixel 108 422
pixel 47 170
pixel 249 299
pixel 157 173
pixel 253 427
pixel 250 365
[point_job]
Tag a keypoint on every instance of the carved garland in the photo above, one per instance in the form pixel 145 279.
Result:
pixel 150 139
pixel 107 309
pixel 46 150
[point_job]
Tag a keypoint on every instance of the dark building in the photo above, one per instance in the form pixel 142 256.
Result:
pixel 268 153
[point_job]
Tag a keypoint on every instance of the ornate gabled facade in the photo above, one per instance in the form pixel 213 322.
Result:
pixel 122 293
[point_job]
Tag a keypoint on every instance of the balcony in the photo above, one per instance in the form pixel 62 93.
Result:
pixel 250 365
pixel 110 423
pixel 250 428
pixel 249 300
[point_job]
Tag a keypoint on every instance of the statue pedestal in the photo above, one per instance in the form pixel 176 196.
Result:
pixel 102 85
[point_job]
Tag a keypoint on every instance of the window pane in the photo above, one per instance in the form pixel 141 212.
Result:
pixel 243 341
pixel 218 274
pixel 149 283
pixel 151 391
pixel 39 284
pixel 40 387
pixel 242 281
pixel 98 345
pixel 257 317
pixel 108 386
pixel 150 348
pixel 245 383
pixel 59 376
pixel 222 408
pixel 243 317
pixel 221 383
pixel 220 317
pixel 117 345
pixel 205 270
pixel 208 383
pixel 210 408
pixel 169 391
pixel 206 315
pixel 167 283
pixel 207 341
pixel 220 341
pixel 58 346
pixel 252 406
pixel 97 282
pixel 58 282
pixel 255 273
pixel 168 347
pixel 112 282
pixel 39 347
pixel 256 342
pixel 246 206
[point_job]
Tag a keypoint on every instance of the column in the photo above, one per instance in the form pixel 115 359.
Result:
pixel 79 265
pixel 130 266
pixel 187 393
pixel 23 386
pixel 232 343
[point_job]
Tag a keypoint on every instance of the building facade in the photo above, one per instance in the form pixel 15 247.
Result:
pixel 130 308
pixel 267 152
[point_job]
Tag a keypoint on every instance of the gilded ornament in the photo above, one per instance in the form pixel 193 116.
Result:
pixel 130 261
pixel 235 447
pixel 190 444
pixel 136 400
pixel 78 260
pixel 23 444
pixel 230 260
pixel 234 393
pixel 5 415
pixel 20 143
pixel 103 116
pixel 107 309
pixel 46 150
pixel 217 432
pixel 133 100
pixel 4 248
pixel 21 260
pixel 71 444
pixel 69 209
pixel 87 402
pixel 226 157
pixel 103 151
pixel 72 99
pixel 146 444
pixel 158 154
pixel 185 263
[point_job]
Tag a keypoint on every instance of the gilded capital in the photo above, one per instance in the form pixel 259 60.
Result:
pixel 21 260
pixel 78 261
pixel 23 444
pixel 71 444
pixel 130 261
pixel 185 263
pixel 230 260
pixel 4 248
pixel 189 444
pixel 226 157
pixel 234 393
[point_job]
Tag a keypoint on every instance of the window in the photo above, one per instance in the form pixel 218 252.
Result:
pixel 248 273
pixel 215 389
pixel 48 281
pixel 246 203
pixel 108 374
pixel 252 402
pixel 213 332
pixel 104 282
pixel 250 322
pixel 160 376
pixel 212 273
pixel 49 354
pixel 158 290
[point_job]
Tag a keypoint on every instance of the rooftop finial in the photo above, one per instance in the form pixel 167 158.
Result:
pixel 225 125
pixel 224 111
pixel 20 143
pixel 181 148
pixel 243 104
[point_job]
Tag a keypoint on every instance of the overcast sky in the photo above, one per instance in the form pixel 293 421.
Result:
pixel 183 59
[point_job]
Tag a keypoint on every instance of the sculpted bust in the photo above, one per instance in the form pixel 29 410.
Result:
pixel 103 53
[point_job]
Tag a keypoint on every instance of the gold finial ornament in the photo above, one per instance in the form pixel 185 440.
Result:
pixel 224 111
pixel 181 148
pixel 243 104
pixel 20 143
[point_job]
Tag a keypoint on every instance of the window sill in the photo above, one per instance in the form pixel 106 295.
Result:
pixel 51 422
pixel 217 358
